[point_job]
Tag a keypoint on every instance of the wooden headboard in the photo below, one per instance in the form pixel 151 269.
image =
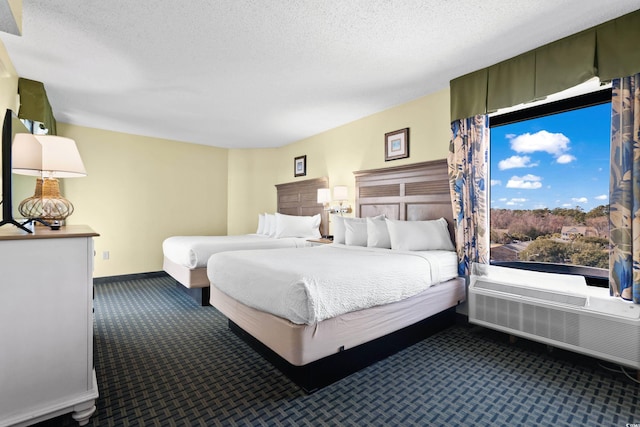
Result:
pixel 301 198
pixel 414 192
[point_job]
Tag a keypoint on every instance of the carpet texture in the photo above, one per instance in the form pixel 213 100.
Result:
pixel 161 360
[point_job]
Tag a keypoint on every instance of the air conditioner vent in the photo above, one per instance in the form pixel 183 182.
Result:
pixel 575 300
pixel 600 326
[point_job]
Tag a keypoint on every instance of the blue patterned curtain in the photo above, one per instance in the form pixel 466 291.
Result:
pixel 624 189
pixel 468 171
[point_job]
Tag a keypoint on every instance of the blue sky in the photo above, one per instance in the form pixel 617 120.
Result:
pixel 555 161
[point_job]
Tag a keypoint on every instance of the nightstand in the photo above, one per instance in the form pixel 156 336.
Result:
pixel 318 242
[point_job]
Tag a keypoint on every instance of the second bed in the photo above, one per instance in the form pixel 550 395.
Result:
pixel 185 257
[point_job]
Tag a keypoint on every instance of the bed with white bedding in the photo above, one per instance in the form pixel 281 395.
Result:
pixel 320 313
pixel 185 257
pixel 299 218
pixel 309 285
pixel 300 296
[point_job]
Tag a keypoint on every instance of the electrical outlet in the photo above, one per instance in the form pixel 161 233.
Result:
pixel 105 255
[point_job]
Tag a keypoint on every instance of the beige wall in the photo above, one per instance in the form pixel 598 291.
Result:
pixel 252 179
pixel 336 154
pixel 140 190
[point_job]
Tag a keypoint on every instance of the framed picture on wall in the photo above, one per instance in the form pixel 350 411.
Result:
pixel 396 144
pixel 300 166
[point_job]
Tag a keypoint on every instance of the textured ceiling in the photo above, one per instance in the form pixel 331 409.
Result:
pixel 265 73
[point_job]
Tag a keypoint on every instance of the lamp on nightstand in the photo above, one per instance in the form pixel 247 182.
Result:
pixel 324 197
pixel 26 154
pixel 341 195
pixel 60 159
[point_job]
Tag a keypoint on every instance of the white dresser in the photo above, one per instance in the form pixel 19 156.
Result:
pixel 46 325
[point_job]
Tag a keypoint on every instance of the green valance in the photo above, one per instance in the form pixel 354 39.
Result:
pixel 564 64
pixel 34 104
pixel 471 90
pixel 608 51
pixel 618 47
pixel 509 81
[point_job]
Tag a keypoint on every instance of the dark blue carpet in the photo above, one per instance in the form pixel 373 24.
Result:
pixel 161 360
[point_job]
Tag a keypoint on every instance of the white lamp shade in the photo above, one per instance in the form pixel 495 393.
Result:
pixel 324 195
pixel 26 155
pixel 60 157
pixel 340 192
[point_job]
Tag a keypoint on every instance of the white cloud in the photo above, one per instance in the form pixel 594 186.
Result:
pixel 524 185
pixel 527 182
pixel 601 197
pixel 502 199
pixel 552 143
pixel 529 177
pixel 580 200
pixel 567 205
pixel 565 158
pixel 495 182
pixel 516 201
pixel 556 144
pixel 516 162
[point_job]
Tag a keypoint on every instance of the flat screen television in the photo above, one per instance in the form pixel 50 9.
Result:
pixel 8 132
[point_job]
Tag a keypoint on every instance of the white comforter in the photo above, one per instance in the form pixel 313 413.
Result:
pixel 311 284
pixel 194 251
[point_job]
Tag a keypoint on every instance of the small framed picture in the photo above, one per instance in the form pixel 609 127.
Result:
pixel 300 166
pixel 396 145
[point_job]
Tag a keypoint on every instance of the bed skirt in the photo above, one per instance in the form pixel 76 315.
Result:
pixel 192 281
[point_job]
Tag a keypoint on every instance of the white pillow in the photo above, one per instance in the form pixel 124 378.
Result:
pixel 355 232
pixel 270 225
pixel 297 226
pixel 339 230
pixel 419 235
pixel 261 221
pixel 378 233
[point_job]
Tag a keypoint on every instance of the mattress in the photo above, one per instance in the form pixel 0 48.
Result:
pixel 302 344
pixel 309 285
pixel 194 251
pixel 188 277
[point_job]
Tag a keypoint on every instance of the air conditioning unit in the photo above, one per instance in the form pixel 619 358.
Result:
pixel 556 309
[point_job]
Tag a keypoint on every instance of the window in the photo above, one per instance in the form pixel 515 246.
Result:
pixel 35 127
pixel 549 196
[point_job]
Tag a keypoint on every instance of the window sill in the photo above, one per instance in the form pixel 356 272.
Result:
pixel 594 276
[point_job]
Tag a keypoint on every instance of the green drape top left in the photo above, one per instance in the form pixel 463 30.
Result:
pixel 34 104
